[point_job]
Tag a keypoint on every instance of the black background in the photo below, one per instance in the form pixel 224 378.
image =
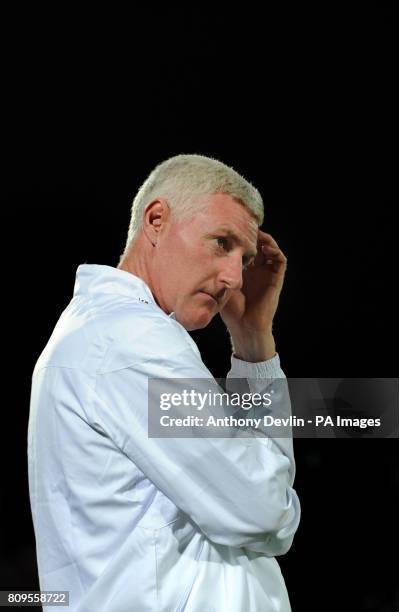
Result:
pixel 303 103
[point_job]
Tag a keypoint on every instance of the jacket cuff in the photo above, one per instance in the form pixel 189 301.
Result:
pixel 261 369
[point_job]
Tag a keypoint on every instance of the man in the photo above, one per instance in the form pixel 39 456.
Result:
pixel 125 521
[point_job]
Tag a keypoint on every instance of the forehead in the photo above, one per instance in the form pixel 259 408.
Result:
pixel 224 213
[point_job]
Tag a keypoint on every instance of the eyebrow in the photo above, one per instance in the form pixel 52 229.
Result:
pixel 229 234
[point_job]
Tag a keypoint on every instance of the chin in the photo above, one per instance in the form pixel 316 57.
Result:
pixel 195 322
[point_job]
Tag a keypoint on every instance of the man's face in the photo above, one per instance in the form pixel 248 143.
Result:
pixel 200 261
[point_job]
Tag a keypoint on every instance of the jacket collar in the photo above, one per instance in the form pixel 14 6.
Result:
pixel 95 278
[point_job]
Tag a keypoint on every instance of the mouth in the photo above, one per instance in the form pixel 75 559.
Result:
pixel 215 300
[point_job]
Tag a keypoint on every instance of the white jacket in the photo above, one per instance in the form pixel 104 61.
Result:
pixel 125 522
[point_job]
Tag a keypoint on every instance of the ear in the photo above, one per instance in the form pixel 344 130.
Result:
pixel 156 217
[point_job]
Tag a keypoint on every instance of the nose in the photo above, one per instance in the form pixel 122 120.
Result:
pixel 231 273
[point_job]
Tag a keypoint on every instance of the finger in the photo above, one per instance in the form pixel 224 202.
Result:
pixel 273 251
pixel 274 257
pixel 266 238
pixel 269 246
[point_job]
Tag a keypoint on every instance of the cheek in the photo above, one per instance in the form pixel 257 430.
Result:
pixel 186 266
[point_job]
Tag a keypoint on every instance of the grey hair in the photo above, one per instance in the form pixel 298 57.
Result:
pixel 185 181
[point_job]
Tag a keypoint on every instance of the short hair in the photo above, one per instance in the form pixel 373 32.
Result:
pixel 185 181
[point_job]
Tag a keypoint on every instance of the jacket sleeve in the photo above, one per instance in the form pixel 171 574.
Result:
pixel 268 377
pixel 238 490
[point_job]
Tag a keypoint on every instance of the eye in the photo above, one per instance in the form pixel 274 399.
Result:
pixel 222 242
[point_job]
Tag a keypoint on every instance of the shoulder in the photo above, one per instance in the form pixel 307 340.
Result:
pixel 136 332
pixel 116 333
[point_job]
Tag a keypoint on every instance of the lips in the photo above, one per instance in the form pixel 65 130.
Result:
pixel 211 296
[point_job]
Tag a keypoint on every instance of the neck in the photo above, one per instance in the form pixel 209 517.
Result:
pixel 137 261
